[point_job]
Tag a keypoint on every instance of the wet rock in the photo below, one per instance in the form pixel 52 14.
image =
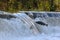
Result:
pixel 41 23
pixel 7 16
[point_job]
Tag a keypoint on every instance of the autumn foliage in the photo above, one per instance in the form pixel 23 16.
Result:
pixel 29 5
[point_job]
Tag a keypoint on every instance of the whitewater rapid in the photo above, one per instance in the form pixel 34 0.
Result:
pixel 24 28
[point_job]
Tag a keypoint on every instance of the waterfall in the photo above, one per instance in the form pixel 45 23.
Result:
pixel 22 27
pixel 28 22
pixel 52 19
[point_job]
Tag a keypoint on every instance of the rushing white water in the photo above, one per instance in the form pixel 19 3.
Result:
pixel 24 28
pixel 53 21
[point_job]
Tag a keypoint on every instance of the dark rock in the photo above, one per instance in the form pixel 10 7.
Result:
pixel 30 15
pixel 7 16
pixel 41 23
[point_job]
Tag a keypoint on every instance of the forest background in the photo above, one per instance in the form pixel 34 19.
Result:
pixel 29 5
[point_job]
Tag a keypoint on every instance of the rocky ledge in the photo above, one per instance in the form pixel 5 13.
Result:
pixel 7 16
